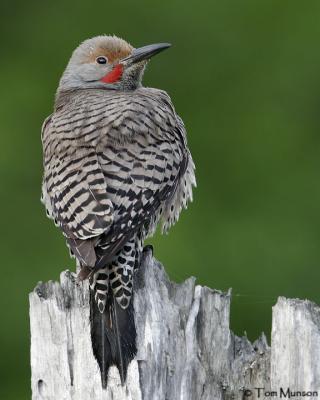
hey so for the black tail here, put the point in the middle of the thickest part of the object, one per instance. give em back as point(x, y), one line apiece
point(113, 337)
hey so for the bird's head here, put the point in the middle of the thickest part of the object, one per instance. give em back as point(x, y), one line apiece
point(107, 62)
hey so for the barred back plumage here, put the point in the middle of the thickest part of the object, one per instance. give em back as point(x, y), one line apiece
point(116, 164)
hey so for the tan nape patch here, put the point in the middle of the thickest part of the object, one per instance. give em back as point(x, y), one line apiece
point(113, 53)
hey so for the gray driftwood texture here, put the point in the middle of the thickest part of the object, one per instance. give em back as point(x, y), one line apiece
point(186, 350)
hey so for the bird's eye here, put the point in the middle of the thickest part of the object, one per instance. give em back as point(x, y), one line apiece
point(101, 60)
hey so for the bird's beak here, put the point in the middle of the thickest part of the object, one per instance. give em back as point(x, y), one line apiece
point(145, 53)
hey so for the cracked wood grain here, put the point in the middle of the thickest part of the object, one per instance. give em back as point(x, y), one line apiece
point(186, 350)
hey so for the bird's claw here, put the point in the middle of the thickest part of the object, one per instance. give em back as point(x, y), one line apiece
point(148, 248)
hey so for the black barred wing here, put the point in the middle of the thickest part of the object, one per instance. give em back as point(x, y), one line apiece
point(140, 179)
point(114, 163)
point(74, 192)
point(183, 193)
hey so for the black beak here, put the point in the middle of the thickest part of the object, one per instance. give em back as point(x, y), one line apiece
point(145, 52)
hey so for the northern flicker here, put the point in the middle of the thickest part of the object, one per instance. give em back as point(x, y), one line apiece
point(116, 163)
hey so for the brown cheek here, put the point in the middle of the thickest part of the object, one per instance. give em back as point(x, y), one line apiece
point(114, 75)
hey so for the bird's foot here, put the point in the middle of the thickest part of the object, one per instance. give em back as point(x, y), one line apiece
point(148, 248)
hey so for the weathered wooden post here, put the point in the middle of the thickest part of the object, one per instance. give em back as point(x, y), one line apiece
point(186, 350)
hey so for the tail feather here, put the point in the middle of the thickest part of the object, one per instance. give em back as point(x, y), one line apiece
point(113, 336)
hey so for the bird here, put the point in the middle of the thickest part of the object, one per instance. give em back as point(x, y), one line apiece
point(116, 164)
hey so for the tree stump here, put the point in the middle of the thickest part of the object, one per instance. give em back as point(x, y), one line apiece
point(186, 350)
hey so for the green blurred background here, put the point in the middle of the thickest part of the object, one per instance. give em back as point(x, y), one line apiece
point(245, 77)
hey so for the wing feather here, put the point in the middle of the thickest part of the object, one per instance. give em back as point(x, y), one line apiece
point(132, 169)
point(74, 192)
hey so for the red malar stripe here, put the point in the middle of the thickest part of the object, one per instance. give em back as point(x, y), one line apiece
point(114, 75)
